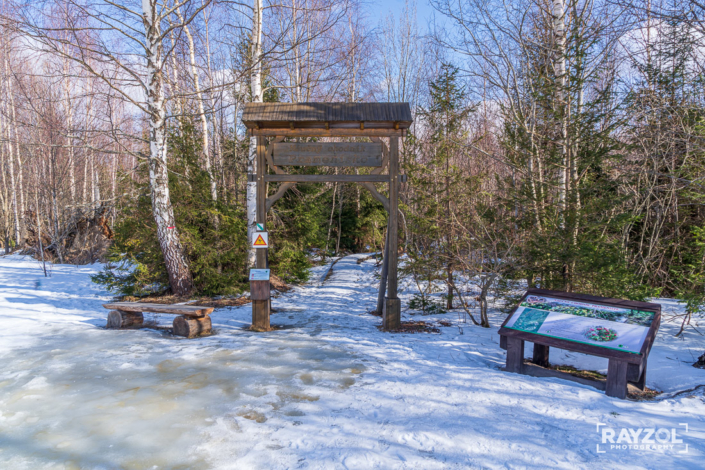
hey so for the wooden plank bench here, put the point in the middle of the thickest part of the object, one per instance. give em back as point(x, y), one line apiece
point(192, 320)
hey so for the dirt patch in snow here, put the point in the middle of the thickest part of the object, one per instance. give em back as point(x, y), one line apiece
point(414, 327)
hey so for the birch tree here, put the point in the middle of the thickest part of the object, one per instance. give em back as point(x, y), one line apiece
point(256, 91)
point(115, 34)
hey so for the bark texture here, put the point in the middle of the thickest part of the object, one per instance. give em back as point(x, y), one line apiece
point(167, 233)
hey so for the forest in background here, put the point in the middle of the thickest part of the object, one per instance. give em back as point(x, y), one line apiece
point(556, 144)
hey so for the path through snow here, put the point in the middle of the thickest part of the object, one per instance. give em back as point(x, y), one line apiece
point(327, 391)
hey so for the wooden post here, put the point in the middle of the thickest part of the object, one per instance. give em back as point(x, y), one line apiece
point(392, 315)
point(260, 308)
point(616, 379)
point(541, 355)
point(383, 277)
point(636, 375)
point(515, 355)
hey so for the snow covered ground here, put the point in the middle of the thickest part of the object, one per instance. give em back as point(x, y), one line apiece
point(329, 390)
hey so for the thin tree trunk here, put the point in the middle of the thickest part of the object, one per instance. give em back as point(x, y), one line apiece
point(332, 211)
point(167, 233)
point(256, 87)
point(13, 185)
point(340, 222)
point(559, 63)
point(201, 109)
point(69, 129)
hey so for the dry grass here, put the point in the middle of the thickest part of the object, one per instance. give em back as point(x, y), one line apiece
point(633, 393)
point(414, 327)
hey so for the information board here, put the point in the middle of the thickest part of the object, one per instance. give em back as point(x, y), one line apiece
point(622, 329)
point(259, 274)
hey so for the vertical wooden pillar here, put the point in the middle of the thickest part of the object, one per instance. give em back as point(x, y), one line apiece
point(636, 375)
point(260, 308)
point(392, 314)
point(616, 379)
point(515, 355)
point(541, 355)
point(383, 277)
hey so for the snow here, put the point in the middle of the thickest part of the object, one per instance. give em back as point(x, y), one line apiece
point(328, 390)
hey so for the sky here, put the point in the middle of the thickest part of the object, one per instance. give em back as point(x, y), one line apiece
point(378, 9)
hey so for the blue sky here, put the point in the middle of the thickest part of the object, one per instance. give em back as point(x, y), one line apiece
point(378, 9)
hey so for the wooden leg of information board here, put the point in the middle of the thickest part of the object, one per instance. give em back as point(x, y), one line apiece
point(541, 355)
point(635, 378)
point(616, 379)
point(515, 355)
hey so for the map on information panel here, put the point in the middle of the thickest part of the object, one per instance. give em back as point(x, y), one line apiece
point(617, 328)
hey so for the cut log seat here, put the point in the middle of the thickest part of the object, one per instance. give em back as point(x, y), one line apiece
point(192, 327)
point(193, 320)
point(119, 320)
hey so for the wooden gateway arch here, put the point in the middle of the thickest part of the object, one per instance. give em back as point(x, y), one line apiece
point(383, 123)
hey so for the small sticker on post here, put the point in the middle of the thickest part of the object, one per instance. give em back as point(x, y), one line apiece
point(260, 240)
point(259, 274)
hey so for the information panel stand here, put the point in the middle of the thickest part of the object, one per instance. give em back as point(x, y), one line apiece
point(621, 330)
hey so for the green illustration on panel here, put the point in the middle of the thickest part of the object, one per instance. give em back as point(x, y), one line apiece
point(633, 317)
point(530, 320)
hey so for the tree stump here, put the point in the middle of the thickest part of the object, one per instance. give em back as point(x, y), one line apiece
point(191, 327)
point(118, 319)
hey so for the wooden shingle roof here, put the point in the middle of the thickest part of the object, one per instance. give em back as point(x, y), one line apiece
point(280, 115)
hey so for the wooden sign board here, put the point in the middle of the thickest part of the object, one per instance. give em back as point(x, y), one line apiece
point(327, 154)
point(259, 274)
point(621, 330)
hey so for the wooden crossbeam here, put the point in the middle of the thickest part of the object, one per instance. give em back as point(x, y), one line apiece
point(316, 132)
point(326, 178)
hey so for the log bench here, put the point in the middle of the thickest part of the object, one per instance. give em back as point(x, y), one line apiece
point(192, 320)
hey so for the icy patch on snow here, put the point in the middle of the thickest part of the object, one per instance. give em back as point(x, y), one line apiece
point(327, 391)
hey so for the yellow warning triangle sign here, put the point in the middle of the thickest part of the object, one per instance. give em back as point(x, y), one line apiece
point(260, 241)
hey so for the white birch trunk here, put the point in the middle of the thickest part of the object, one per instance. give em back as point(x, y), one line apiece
point(558, 14)
point(256, 87)
point(84, 195)
point(69, 128)
point(20, 184)
point(11, 171)
point(12, 153)
point(90, 159)
point(175, 85)
point(217, 135)
point(176, 264)
point(201, 109)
